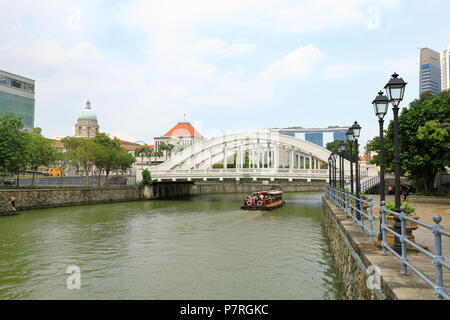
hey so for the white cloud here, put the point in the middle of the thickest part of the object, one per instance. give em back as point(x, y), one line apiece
point(297, 63)
point(274, 16)
point(219, 47)
point(67, 50)
point(403, 66)
point(342, 71)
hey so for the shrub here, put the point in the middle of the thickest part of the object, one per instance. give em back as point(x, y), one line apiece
point(146, 178)
point(408, 209)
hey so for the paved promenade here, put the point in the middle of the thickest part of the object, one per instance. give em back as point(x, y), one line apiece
point(426, 212)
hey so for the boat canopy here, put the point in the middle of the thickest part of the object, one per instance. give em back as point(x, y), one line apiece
point(271, 192)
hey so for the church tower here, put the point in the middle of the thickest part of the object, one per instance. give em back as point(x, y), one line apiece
point(87, 124)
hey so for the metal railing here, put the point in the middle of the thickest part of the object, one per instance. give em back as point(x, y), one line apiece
point(437, 257)
point(368, 184)
point(357, 209)
point(351, 205)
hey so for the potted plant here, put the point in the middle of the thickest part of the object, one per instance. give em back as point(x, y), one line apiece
point(410, 226)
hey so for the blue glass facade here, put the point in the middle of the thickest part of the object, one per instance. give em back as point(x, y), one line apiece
point(430, 72)
point(339, 135)
point(17, 106)
point(316, 138)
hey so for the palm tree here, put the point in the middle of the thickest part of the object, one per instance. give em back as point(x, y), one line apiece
point(158, 154)
point(141, 151)
point(169, 148)
point(150, 153)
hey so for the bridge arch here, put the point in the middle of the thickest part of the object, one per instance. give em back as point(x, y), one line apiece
point(256, 154)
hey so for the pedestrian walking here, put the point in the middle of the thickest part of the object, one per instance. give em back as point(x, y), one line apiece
point(407, 191)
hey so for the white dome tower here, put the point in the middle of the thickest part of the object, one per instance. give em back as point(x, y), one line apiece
point(87, 124)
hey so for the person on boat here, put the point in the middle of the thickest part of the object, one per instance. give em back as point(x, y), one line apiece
point(13, 203)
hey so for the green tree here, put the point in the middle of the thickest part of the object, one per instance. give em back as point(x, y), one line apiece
point(169, 148)
point(40, 152)
point(71, 144)
point(106, 154)
point(333, 146)
point(125, 161)
point(157, 154)
point(13, 145)
point(81, 153)
point(109, 155)
point(424, 143)
point(146, 178)
point(142, 151)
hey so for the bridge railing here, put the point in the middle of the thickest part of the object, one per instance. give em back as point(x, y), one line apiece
point(437, 258)
point(357, 209)
point(366, 185)
point(242, 170)
point(349, 204)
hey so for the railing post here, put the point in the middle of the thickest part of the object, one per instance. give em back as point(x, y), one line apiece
point(361, 212)
point(349, 201)
point(438, 256)
point(370, 211)
point(383, 226)
point(402, 239)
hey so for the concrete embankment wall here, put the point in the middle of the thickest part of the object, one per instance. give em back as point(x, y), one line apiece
point(214, 188)
point(355, 258)
point(35, 198)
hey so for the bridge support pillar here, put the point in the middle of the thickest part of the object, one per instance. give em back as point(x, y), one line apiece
point(205, 179)
point(290, 179)
point(174, 179)
point(189, 179)
point(254, 179)
point(220, 179)
point(308, 180)
point(272, 179)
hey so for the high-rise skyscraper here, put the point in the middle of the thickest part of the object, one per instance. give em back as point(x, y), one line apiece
point(430, 71)
point(17, 98)
point(445, 68)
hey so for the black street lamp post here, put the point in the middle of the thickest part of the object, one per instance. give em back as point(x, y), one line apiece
point(341, 149)
point(380, 105)
point(395, 90)
point(349, 135)
point(356, 128)
point(334, 170)
point(329, 171)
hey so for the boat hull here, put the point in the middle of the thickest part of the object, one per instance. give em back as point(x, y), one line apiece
point(272, 206)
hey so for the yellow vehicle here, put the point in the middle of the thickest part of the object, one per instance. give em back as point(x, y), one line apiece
point(54, 172)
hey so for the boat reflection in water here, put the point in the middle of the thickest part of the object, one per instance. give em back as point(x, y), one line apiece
point(264, 200)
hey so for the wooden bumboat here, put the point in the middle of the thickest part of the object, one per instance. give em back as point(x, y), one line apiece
point(264, 200)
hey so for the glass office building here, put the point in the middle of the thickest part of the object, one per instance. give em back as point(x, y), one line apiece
point(445, 68)
point(17, 98)
point(339, 135)
point(316, 138)
point(430, 71)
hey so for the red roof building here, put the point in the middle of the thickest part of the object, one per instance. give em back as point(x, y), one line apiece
point(181, 136)
point(183, 129)
point(131, 146)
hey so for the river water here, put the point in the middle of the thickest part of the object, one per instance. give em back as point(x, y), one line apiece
point(202, 248)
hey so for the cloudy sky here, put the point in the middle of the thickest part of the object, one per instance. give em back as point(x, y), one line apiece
point(230, 66)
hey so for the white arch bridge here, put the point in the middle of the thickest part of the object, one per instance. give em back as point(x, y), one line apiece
point(255, 155)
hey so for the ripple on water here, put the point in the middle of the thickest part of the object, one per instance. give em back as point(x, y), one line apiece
point(205, 248)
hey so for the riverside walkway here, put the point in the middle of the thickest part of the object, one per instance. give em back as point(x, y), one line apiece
point(426, 209)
